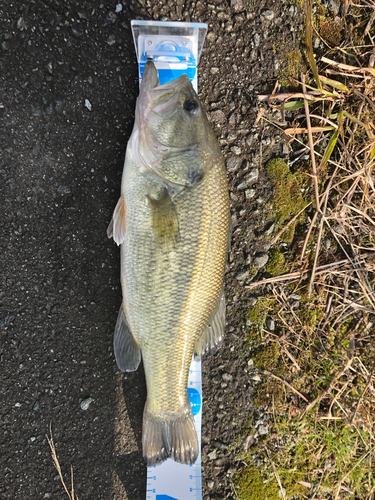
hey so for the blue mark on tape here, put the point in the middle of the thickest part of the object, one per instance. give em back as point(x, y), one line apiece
point(165, 497)
point(167, 74)
point(195, 400)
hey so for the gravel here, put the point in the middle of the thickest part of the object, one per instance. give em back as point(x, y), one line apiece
point(261, 260)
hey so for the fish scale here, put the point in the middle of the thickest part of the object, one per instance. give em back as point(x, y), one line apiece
point(201, 237)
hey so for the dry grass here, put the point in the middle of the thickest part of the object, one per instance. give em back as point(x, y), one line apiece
point(326, 339)
point(71, 494)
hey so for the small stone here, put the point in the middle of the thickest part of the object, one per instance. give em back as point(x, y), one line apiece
point(233, 164)
point(266, 141)
point(219, 445)
point(252, 177)
point(118, 8)
point(47, 495)
point(256, 378)
point(332, 6)
point(21, 25)
point(268, 15)
point(110, 19)
point(250, 87)
point(293, 10)
point(339, 229)
point(250, 362)
point(37, 111)
point(88, 104)
point(261, 260)
point(64, 189)
point(236, 150)
point(282, 492)
point(242, 276)
point(211, 37)
point(250, 193)
point(85, 403)
point(212, 455)
point(295, 296)
point(227, 377)
point(214, 70)
point(221, 461)
point(36, 406)
point(210, 484)
point(262, 430)
point(248, 442)
point(316, 42)
point(31, 440)
point(270, 324)
point(111, 40)
point(327, 243)
point(218, 116)
point(252, 301)
point(237, 5)
point(18, 405)
point(256, 40)
point(4, 46)
point(269, 230)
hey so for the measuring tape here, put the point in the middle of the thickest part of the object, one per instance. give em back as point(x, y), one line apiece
point(175, 49)
point(173, 481)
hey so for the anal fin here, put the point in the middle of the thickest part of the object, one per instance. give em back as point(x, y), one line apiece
point(213, 335)
point(127, 351)
point(117, 226)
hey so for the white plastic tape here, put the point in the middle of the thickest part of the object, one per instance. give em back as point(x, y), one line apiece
point(173, 481)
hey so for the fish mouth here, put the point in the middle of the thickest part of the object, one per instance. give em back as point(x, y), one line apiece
point(163, 100)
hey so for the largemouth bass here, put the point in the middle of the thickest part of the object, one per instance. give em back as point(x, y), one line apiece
point(172, 222)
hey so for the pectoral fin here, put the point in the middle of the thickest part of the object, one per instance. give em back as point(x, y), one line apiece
point(116, 228)
point(164, 220)
point(127, 351)
point(213, 335)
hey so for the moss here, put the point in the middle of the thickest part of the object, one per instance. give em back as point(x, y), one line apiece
point(276, 262)
point(309, 314)
point(291, 66)
point(287, 200)
point(257, 315)
point(253, 271)
point(267, 357)
point(329, 30)
point(268, 392)
point(249, 485)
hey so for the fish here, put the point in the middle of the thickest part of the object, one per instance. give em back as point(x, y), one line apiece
point(172, 222)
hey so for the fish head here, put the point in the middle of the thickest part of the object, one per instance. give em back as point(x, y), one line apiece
point(174, 132)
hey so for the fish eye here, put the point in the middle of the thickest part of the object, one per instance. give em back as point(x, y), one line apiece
point(191, 106)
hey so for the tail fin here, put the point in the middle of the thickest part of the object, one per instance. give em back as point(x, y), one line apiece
point(172, 437)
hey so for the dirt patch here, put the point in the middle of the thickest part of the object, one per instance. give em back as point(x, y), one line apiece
point(67, 92)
